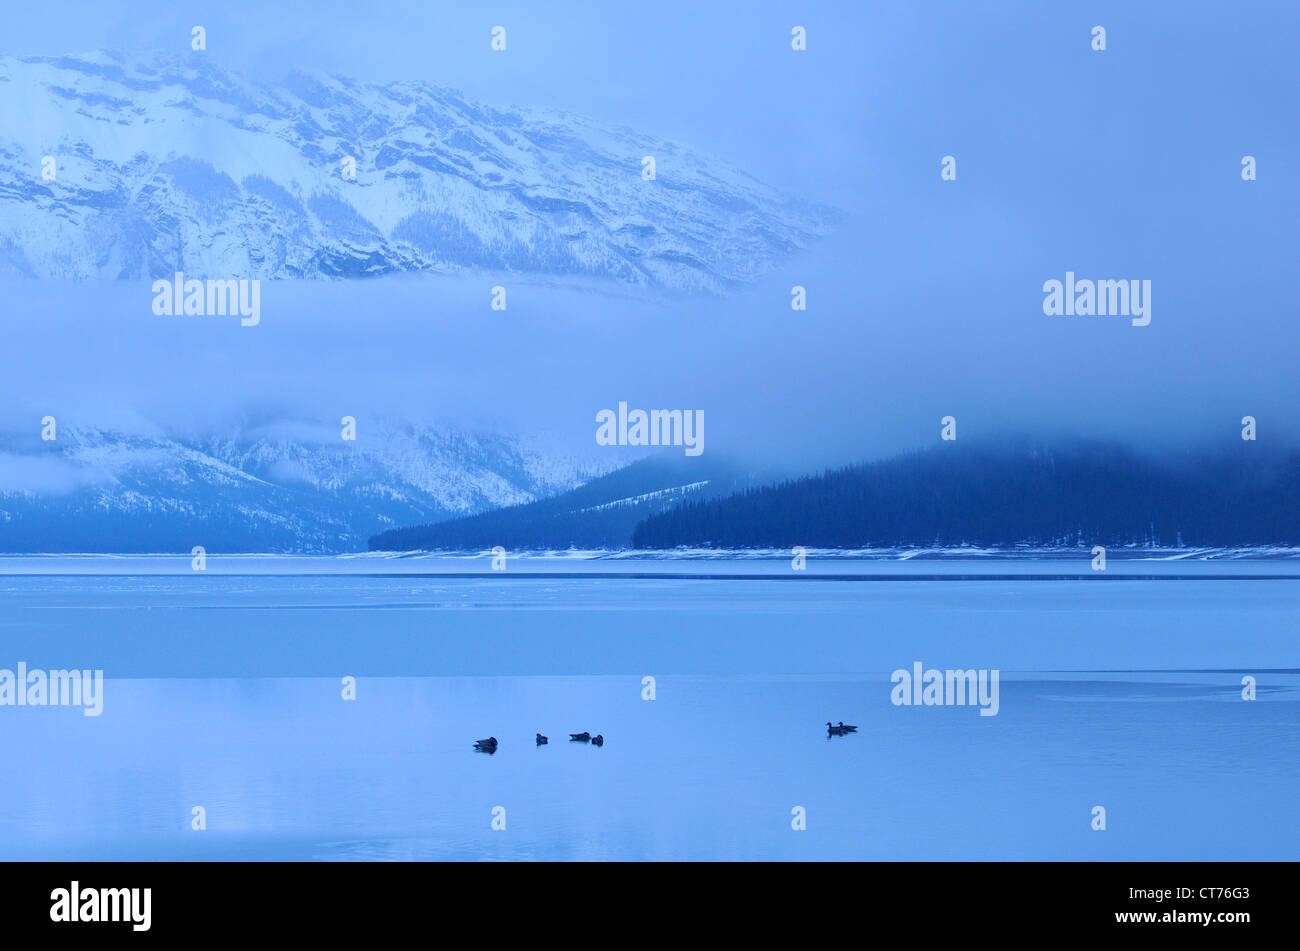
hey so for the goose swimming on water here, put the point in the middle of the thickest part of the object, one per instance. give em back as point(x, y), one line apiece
point(580, 737)
point(541, 740)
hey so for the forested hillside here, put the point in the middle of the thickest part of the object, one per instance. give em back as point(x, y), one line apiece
point(999, 494)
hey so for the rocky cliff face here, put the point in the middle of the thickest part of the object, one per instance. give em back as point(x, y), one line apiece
point(175, 164)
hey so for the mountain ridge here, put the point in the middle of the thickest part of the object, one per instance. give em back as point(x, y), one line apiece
point(93, 490)
point(175, 164)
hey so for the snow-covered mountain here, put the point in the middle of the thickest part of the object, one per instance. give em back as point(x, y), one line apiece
point(93, 490)
point(168, 165)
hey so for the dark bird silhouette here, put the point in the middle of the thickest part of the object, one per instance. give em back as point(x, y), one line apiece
point(580, 737)
point(598, 740)
point(833, 730)
point(848, 729)
point(541, 740)
point(486, 746)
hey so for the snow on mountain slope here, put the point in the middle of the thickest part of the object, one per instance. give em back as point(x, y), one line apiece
point(94, 490)
point(175, 164)
point(675, 494)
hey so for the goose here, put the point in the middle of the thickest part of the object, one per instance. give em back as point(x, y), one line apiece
point(848, 729)
point(580, 737)
point(834, 730)
point(541, 740)
point(486, 746)
point(598, 740)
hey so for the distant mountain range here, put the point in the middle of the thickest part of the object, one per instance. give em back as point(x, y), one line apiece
point(173, 164)
point(409, 488)
point(992, 495)
point(1000, 495)
point(260, 491)
point(601, 514)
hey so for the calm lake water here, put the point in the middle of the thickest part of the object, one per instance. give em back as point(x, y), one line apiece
point(224, 691)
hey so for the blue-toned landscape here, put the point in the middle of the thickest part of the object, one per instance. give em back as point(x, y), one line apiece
point(225, 691)
point(874, 425)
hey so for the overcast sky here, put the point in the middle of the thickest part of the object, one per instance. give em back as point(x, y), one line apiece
point(1117, 164)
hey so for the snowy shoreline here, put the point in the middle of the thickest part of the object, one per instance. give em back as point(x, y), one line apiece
point(883, 564)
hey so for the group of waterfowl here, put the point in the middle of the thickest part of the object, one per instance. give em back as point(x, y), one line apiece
point(490, 744)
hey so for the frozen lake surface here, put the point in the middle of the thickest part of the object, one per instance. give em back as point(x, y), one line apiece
point(223, 690)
